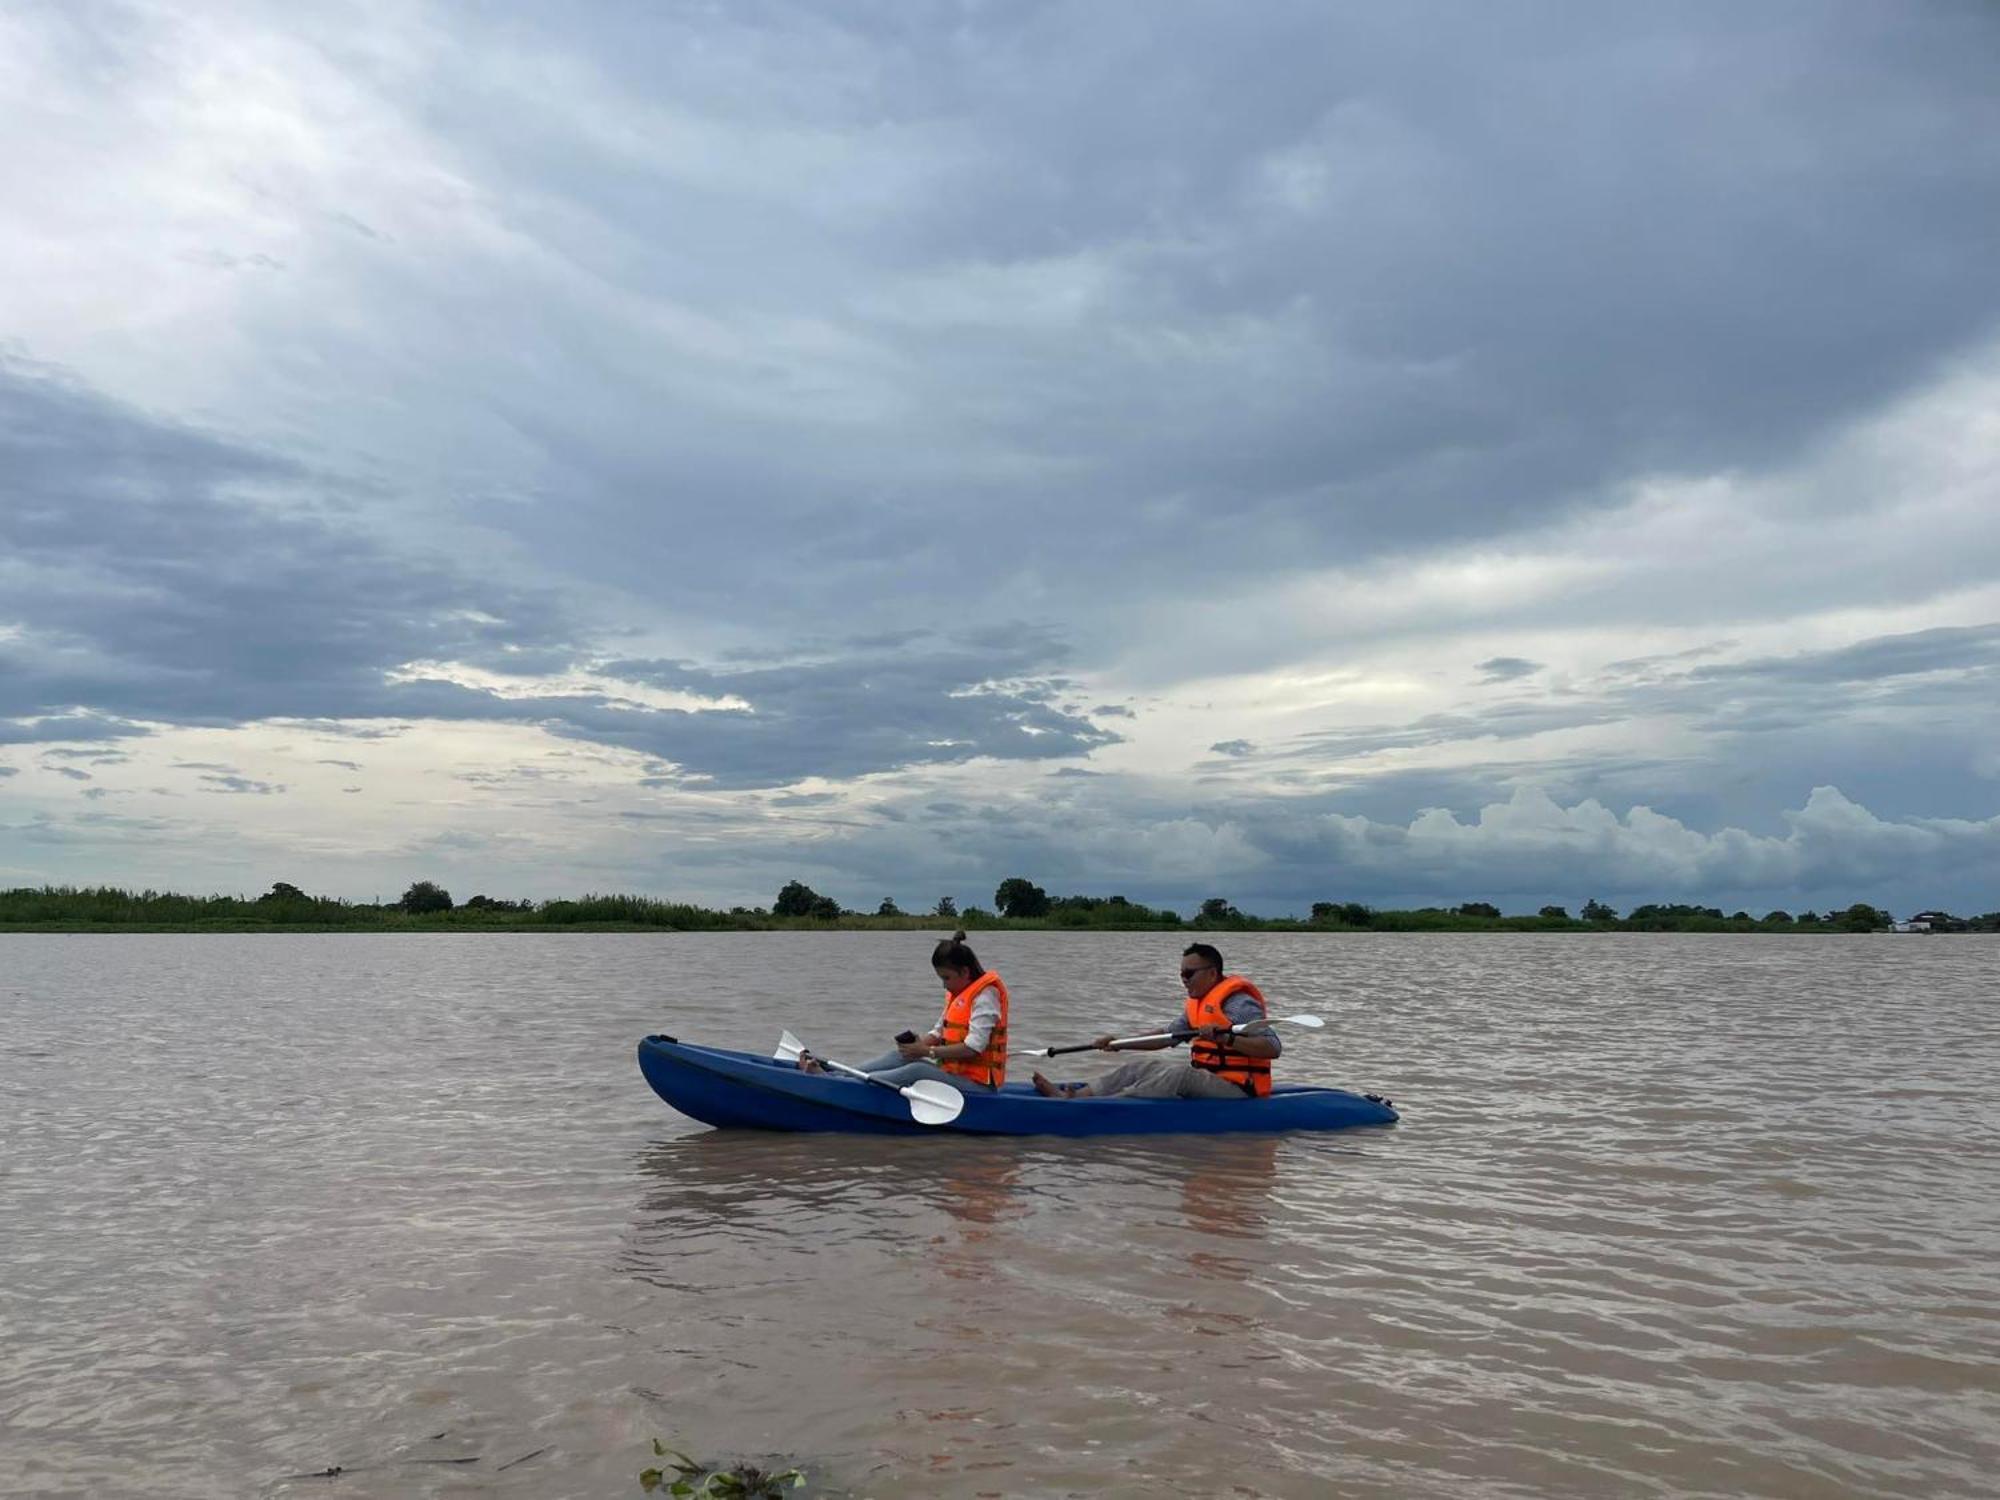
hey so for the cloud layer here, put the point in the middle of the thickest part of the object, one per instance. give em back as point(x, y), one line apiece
point(1533, 448)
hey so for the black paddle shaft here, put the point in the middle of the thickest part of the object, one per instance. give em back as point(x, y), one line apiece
point(1080, 1047)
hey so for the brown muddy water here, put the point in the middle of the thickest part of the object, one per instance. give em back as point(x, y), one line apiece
point(1666, 1216)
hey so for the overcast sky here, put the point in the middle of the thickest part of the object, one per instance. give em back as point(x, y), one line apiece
point(1402, 453)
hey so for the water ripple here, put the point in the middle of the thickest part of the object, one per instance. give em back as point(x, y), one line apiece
point(1667, 1217)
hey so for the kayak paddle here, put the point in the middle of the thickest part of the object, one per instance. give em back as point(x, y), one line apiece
point(1310, 1023)
point(930, 1103)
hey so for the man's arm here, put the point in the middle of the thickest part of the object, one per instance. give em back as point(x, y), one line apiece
point(1243, 1011)
point(1178, 1025)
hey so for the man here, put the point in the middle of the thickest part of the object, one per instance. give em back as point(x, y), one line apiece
point(1223, 1060)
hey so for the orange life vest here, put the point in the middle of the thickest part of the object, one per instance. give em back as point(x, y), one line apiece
point(990, 1067)
point(1252, 1074)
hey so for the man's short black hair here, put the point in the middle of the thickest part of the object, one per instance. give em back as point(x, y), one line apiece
point(1208, 953)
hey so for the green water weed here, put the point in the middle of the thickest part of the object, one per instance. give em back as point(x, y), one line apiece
point(701, 1481)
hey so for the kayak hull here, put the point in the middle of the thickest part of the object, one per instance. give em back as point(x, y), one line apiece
point(740, 1090)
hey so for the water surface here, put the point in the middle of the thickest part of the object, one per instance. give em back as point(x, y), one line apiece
point(1667, 1216)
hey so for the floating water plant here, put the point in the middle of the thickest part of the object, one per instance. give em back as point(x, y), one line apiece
point(717, 1482)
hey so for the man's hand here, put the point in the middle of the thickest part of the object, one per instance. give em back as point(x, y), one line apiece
point(1215, 1033)
point(1103, 1043)
point(915, 1051)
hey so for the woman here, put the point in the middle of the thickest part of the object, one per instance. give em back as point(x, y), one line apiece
point(968, 1046)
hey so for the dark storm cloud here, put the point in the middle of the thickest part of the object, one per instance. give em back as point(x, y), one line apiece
point(1339, 282)
point(240, 785)
point(1506, 668)
point(838, 719)
point(164, 574)
point(1502, 721)
point(1918, 675)
point(65, 727)
point(856, 714)
point(1953, 649)
point(151, 586)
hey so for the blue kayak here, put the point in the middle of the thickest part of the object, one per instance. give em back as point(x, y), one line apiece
point(743, 1090)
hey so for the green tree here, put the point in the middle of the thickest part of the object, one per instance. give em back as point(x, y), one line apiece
point(946, 907)
point(1021, 898)
point(798, 899)
point(1216, 909)
point(1672, 916)
point(888, 908)
point(1596, 911)
point(284, 890)
point(424, 896)
point(1346, 913)
point(1779, 918)
point(497, 903)
point(1554, 913)
point(1478, 909)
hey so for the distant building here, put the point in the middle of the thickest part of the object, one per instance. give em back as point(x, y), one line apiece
point(1940, 921)
point(1913, 925)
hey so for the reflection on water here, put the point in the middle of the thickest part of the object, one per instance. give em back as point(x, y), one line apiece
point(1666, 1216)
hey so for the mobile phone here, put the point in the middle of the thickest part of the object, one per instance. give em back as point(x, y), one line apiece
point(906, 1037)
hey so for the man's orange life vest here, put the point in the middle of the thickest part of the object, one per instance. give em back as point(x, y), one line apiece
point(1252, 1074)
point(990, 1067)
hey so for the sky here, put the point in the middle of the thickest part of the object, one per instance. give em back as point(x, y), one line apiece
point(1411, 453)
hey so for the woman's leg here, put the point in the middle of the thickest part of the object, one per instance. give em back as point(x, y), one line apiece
point(894, 1070)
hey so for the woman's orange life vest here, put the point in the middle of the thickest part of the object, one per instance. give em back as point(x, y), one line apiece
point(990, 1067)
point(1253, 1074)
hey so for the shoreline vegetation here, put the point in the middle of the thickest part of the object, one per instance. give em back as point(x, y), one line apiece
point(1019, 904)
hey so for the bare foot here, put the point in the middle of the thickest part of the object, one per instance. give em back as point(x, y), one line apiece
point(1050, 1090)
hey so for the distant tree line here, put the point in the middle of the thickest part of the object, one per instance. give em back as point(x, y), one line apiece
point(1017, 900)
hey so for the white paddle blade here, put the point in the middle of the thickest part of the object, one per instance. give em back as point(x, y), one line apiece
point(789, 1048)
point(1309, 1023)
point(933, 1103)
